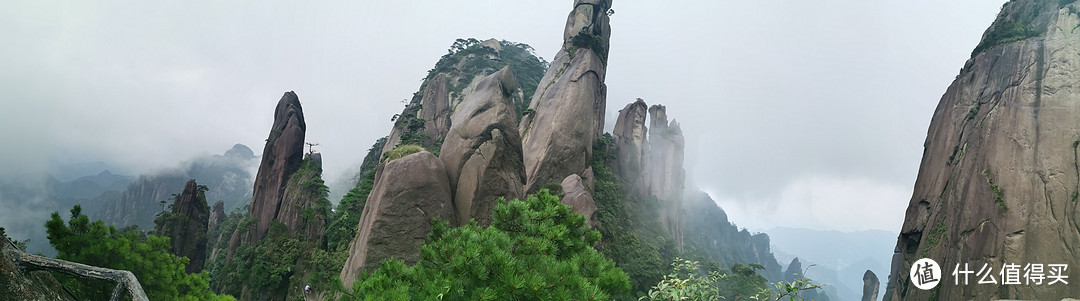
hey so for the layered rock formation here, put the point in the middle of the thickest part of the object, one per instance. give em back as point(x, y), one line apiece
point(186, 226)
point(568, 106)
point(665, 175)
point(999, 177)
point(282, 156)
point(482, 151)
point(870, 286)
point(408, 193)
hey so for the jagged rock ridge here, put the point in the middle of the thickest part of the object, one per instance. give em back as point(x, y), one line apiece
point(999, 177)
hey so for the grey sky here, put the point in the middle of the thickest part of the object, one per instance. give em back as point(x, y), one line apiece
point(797, 113)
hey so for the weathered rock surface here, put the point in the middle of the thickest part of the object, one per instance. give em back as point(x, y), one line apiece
point(217, 215)
point(666, 177)
point(631, 147)
point(579, 197)
point(16, 284)
point(408, 193)
point(282, 156)
point(870, 286)
point(999, 177)
point(303, 193)
point(140, 202)
point(186, 226)
point(568, 106)
point(482, 151)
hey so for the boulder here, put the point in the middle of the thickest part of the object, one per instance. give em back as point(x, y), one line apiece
point(577, 195)
point(999, 176)
point(482, 151)
point(408, 193)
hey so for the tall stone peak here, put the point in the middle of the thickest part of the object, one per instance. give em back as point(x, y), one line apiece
point(999, 177)
point(665, 175)
point(870, 286)
point(186, 225)
point(217, 215)
point(282, 156)
point(631, 146)
point(567, 110)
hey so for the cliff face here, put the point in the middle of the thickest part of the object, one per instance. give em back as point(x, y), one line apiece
point(709, 232)
point(282, 156)
point(186, 226)
point(999, 177)
point(140, 202)
point(631, 147)
point(304, 207)
point(482, 151)
point(567, 112)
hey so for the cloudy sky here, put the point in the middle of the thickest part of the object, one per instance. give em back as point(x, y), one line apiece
point(797, 113)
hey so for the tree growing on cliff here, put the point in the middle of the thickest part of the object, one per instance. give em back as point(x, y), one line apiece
point(536, 249)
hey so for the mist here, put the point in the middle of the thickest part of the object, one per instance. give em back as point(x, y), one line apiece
point(804, 114)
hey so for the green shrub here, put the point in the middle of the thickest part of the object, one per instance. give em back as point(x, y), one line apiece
point(402, 151)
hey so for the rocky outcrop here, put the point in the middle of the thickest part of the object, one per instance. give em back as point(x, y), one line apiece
point(435, 107)
point(408, 193)
point(186, 226)
point(140, 202)
point(579, 197)
point(217, 215)
point(870, 286)
point(303, 197)
point(631, 147)
point(282, 156)
point(999, 177)
point(482, 151)
point(709, 232)
point(665, 175)
point(567, 110)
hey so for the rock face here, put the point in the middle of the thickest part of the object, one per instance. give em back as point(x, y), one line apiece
point(282, 156)
point(793, 270)
point(142, 199)
point(568, 106)
point(708, 230)
point(577, 195)
point(631, 147)
point(303, 191)
point(186, 226)
point(999, 177)
point(482, 151)
point(870, 286)
point(18, 284)
point(666, 177)
point(217, 215)
point(408, 193)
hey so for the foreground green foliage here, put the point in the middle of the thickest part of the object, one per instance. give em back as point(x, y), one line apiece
point(536, 249)
point(688, 281)
point(161, 273)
